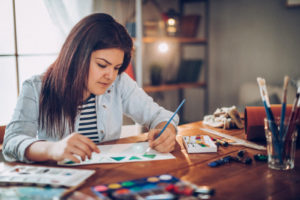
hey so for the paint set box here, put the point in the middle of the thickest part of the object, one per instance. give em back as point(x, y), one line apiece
point(164, 186)
point(199, 144)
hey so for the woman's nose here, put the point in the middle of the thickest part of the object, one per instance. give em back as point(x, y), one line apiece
point(109, 72)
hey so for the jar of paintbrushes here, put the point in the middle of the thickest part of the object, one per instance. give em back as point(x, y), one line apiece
point(281, 139)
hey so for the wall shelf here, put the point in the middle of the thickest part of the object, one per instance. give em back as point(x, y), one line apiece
point(183, 43)
point(167, 87)
point(186, 40)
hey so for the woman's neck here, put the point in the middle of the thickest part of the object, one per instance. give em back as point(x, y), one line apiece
point(86, 95)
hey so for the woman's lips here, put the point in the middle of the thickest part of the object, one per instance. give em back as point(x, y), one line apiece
point(104, 84)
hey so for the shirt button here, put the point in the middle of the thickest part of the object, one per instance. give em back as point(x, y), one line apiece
point(102, 132)
point(104, 106)
point(108, 91)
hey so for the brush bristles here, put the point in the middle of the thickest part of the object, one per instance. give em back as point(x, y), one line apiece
point(263, 88)
point(261, 82)
point(286, 82)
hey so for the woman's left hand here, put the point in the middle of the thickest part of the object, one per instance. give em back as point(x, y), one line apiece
point(166, 141)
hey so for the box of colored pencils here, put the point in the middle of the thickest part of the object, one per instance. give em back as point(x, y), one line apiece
point(199, 144)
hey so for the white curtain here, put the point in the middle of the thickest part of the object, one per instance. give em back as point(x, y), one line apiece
point(66, 13)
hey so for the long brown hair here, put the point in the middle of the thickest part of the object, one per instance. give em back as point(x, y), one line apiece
point(66, 79)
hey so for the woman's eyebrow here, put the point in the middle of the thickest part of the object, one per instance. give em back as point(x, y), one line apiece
point(104, 60)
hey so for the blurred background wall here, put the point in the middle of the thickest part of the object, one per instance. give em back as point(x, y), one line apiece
point(247, 39)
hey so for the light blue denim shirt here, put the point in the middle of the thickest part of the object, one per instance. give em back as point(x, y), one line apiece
point(123, 97)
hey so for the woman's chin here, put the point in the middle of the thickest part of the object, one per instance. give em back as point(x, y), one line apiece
point(99, 92)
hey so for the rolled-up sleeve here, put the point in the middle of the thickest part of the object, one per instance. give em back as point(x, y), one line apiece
point(140, 106)
point(22, 129)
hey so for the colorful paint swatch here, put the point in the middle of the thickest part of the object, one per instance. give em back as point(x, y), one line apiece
point(134, 158)
point(152, 179)
point(127, 184)
point(118, 158)
point(114, 186)
point(100, 188)
point(149, 155)
point(69, 162)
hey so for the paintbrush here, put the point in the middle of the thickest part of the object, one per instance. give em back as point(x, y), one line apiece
point(162, 130)
point(292, 121)
point(294, 114)
point(270, 117)
point(283, 107)
point(265, 98)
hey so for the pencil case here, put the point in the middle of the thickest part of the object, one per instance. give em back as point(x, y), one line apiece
point(254, 120)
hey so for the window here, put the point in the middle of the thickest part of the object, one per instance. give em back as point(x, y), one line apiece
point(25, 50)
point(31, 35)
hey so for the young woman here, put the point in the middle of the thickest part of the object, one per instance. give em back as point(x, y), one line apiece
point(80, 100)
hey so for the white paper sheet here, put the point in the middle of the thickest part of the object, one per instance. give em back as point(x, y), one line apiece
point(120, 153)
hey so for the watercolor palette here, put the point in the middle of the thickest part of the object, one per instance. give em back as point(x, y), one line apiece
point(164, 186)
point(43, 176)
point(199, 144)
point(119, 153)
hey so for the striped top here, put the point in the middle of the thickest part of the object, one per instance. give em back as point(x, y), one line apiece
point(88, 119)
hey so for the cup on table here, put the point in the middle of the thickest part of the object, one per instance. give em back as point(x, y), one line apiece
point(281, 145)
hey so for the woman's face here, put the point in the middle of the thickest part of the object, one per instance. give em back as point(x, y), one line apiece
point(104, 68)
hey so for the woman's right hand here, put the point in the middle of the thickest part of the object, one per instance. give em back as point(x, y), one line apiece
point(74, 144)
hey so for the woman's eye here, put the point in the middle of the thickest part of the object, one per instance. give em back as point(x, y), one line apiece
point(102, 66)
point(117, 68)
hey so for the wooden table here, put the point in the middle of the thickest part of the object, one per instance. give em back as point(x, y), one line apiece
point(230, 181)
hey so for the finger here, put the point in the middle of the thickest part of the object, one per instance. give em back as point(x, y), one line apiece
point(163, 138)
point(153, 139)
point(86, 144)
point(165, 148)
point(89, 143)
point(84, 148)
point(151, 134)
point(77, 142)
point(79, 152)
point(165, 143)
point(171, 146)
point(72, 158)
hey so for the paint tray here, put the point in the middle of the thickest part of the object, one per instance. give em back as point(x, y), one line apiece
point(163, 186)
point(199, 144)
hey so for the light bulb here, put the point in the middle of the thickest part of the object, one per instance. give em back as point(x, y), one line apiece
point(163, 47)
point(171, 21)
